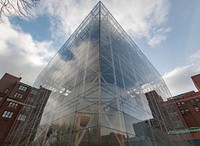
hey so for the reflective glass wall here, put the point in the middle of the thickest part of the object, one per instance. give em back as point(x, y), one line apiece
point(105, 92)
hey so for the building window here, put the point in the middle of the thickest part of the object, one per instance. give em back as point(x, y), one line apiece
point(12, 105)
point(197, 109)
point(192, 101)
point(18, 96)
point(187, 110)
point(30, 99)
point(1, 98)
point(6, 91)
point(182, 112)
point(26, 108)
point(7, 114)
point(183, 103)
point(21, 117)
point(197, 100)
point(34, 92)
point(23, 88)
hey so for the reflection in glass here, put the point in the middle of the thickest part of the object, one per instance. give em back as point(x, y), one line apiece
point(105, 92)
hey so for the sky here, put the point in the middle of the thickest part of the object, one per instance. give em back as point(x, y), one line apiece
point(167, 32)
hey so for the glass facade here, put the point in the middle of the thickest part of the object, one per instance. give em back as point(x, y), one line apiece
point(105, 92)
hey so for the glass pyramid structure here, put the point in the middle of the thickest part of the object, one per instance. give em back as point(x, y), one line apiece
point(105, 92)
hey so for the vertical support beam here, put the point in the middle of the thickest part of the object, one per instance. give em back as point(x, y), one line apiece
point(78, 120)
point(99, 100)
point(27, 143)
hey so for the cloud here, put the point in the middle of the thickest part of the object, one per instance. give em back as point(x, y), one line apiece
point(158, 37)
point(156, 40)
point(21, 54)
point(179, 79)
point(195, 56)
point(65, 16)
point(141, 19)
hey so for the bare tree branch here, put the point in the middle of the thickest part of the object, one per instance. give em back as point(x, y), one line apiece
point(19, 8)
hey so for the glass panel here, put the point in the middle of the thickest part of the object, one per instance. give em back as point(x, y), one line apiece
point(105, 92)
point(112, 137)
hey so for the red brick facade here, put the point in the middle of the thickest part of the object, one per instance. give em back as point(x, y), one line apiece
point(189, 106)
point(9, 110)
point(17, 107)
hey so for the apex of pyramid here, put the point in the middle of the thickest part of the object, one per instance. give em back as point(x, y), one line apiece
point(99, 3)
point(98, 7)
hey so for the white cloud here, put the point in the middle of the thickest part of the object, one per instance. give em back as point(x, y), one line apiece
point(156, 40)
point(139, 18)
point(158, 37)
point(195, 56)
point(65, 15)
point(179, 79)
point(21, 54)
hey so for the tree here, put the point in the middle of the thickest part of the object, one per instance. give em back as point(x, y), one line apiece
point(16, 7)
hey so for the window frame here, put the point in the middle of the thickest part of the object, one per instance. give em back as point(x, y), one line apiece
point(7, 114)
point(22, 88)
point(18, 95)
point(12, 105)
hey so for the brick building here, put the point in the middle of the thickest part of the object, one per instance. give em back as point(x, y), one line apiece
point(189, 106)
point(196, 81)
point(160, 118)
point(21, 107)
